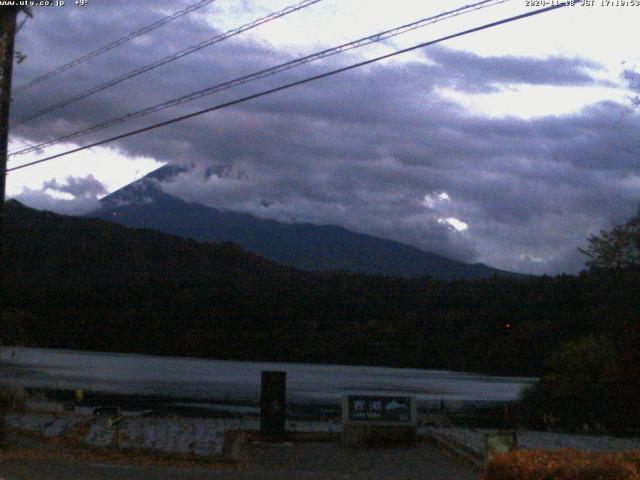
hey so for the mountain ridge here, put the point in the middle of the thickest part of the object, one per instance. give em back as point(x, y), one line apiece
point(306, 246)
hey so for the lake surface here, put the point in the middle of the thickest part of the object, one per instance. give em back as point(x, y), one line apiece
point(216, 380)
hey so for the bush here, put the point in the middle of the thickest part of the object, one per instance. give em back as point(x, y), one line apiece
point(582, 387)
point(564, 464)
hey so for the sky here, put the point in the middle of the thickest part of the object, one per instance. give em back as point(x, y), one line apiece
point(508, 146)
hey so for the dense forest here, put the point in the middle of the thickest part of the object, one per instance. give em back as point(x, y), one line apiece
point(93, 285)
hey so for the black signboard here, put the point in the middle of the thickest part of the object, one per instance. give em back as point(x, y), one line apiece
point(369, 408)
point(272, 405)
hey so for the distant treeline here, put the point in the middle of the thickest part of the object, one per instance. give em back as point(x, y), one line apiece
point(93, 285)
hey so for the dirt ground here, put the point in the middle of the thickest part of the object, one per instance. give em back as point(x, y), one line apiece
point(31, 458)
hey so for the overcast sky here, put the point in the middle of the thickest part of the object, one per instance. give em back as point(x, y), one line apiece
point(507, 147)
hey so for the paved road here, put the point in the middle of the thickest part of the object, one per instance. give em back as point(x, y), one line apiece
point(60, 470)
point(303, 461)
point(33, 458)
point(333, 460)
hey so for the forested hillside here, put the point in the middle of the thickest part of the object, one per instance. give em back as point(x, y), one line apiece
point(89, 284)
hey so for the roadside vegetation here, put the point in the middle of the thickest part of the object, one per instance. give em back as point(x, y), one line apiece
point(564, 464)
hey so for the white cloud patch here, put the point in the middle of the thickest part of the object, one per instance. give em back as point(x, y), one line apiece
point(435, 199)
point(531, 258)
point(455, 223)
point(58, 195)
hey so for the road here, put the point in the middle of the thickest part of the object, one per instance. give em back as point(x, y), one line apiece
point(299, 461)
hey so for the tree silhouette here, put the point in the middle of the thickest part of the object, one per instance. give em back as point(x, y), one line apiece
point(616, 248)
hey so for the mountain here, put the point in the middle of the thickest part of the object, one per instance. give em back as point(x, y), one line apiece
point(143, 204)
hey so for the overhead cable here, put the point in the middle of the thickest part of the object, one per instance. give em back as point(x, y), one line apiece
point(263, 73)
point(112, 45)
point(168, 59)
point(296, 83)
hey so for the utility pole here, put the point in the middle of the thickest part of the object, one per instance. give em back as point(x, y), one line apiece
point(7, 39)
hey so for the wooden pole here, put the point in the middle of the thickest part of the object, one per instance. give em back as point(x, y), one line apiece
point(7, 40)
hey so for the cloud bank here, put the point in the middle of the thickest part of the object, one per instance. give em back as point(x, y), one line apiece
point(378, 150)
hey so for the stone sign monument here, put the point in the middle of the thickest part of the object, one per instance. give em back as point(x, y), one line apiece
point(378, 420)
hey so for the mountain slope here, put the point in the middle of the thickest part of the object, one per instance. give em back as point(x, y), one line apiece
point(143, 204)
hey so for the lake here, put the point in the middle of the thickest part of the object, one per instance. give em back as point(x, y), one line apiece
point(215, 381)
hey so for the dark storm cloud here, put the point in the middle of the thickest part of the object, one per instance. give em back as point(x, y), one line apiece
point(361, 149)
point(473, 73)
point(78, 187)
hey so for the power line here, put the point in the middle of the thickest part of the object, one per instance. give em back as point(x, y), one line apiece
point(112, 45)
point(264, 73)
point(299, 82)
point(169, 59)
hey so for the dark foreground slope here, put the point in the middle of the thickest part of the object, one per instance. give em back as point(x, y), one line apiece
point(90, 284)
point(143, 204)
